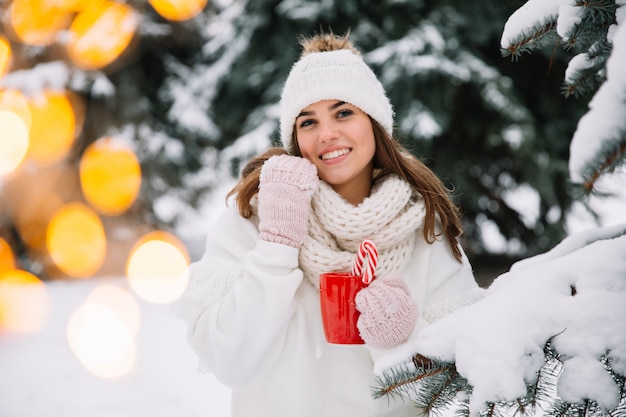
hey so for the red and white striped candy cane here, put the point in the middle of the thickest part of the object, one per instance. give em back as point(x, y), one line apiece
point(366, 261)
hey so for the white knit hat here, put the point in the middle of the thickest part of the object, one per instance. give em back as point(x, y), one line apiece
point(332, 75)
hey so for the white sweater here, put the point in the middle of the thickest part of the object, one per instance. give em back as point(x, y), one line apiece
point(256, 324)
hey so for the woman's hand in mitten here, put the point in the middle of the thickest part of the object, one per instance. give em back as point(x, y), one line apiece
point(388, 312)
point(287, 184)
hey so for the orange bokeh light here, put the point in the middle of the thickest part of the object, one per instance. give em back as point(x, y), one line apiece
point(37, 22)
point(53, 128)
point(7, 258)
point(5, 55)
point(23, 302)
point(79, 5)
point(76, 240)
point(157, 267)
point(110, 176)
point(14, 143)
point(178, 9)
point(98, 36)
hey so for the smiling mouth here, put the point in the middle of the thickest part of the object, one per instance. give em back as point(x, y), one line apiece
point(335, 154)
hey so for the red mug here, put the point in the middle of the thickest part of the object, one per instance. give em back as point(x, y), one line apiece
point(339, 313)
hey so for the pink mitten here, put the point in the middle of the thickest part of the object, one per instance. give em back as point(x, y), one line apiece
point(388, 313)
point(286, 186)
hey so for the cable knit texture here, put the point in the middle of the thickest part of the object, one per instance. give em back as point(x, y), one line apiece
point(287, 184)
point(388, 313)
point(389, 216)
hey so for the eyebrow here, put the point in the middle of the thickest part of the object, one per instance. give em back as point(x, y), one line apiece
point(331, 107)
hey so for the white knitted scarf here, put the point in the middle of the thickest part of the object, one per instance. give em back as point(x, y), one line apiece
point(389, 217)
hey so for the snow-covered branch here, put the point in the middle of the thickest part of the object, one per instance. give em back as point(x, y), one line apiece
point(596, 29)
point(552, 325)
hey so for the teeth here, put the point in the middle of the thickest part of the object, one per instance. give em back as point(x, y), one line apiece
point(335, 154)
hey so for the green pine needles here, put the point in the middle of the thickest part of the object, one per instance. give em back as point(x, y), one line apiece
point(433, 386)
point(436, 388)
point(587, 36)
point(587, 30)
point(533, 38)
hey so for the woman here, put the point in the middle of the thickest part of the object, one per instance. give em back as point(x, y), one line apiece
point(253, 301)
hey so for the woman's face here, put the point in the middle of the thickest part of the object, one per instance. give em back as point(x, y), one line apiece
point(338, 139)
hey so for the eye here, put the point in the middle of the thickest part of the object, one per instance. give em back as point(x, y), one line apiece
point(343, 113)
point(305, 123)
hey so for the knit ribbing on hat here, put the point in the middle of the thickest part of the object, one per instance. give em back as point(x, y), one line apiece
point(332, 75)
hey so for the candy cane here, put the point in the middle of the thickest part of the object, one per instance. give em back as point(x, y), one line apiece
point(366, 257)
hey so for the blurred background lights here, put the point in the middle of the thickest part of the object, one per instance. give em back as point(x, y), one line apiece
point(99, 35)
point(5, 55)
point(33, 207)
point(121, 300)
point(76, 240)
point(13, 143)
point(101, 340)
point(78, 5)
point(7, 258)
point(37, 22)
point(178, 9)
point(110, 176)
point(23, 302)
point(15, 101)
point(53, 128)
point(157, 267)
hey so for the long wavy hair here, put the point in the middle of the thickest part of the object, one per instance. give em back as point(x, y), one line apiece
point(390, 158)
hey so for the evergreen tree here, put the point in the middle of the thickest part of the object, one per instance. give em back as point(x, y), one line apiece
point(596, 34)
point(445, 80)
point(438, 64)
point(199, 97)
point(591, 33)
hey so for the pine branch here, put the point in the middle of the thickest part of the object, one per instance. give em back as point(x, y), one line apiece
point(612, 161)
point(442, 396)
point(534, 38)
point(603, 10)
point(586, 409)
point(620, 380)
point(600, 51)
point(588, 31)
point(435, 387)
point(490, 412)
point(587, 79)
point(403, 378)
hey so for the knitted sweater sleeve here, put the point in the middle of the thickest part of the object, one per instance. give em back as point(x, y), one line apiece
point(451, 284)
point(239, 301)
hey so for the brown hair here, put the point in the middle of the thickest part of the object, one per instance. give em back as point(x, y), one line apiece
point(390, 158)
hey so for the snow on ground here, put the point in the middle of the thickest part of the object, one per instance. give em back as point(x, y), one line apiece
point(41, 377)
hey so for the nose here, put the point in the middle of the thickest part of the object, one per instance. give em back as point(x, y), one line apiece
point(328, 132)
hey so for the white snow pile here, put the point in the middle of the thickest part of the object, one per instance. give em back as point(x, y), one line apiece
point(574, 294)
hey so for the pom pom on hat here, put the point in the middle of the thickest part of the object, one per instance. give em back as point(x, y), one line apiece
point(336, 71)
point(388, 313)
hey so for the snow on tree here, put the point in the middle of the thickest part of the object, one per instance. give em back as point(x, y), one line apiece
point(552, 327)
point(594, 33)
point(550, 335)
point(196, 98)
